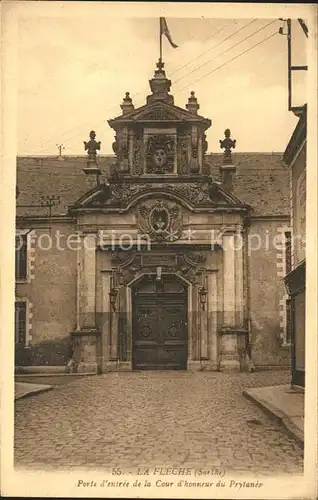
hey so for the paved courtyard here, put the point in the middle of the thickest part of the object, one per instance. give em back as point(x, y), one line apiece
point(154, 419)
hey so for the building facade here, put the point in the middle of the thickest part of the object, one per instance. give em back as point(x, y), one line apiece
point(295, 279)
point(161, 256)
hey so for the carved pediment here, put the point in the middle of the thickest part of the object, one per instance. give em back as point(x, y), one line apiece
point(165, 112)
point(160, 112)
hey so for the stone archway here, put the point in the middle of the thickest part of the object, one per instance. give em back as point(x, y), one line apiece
point(160, 323)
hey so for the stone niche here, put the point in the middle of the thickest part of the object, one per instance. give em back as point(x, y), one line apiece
point(160, 151)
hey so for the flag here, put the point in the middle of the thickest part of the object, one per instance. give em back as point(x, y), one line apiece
point(164, 30)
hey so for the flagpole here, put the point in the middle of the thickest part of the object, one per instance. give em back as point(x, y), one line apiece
point(160, 40)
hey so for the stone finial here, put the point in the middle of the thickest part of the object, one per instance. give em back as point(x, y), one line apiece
point(192, 105)
point(160, 85)
point(160, 65)
point(92, 146)
point(227, 144)
point(127, 105)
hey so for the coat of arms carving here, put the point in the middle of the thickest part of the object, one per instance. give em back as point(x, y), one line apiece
point(160, 152)
point(161, 221)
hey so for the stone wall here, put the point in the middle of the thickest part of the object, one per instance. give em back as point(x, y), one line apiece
point(52, 293)
point(267, 293)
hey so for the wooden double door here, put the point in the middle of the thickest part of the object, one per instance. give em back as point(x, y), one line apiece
point(160, 329)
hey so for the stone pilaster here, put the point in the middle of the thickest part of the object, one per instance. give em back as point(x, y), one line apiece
point(106, 323)
point(241, 333)
point(131, 138)
point(200, 152)
point(84, 359)
point(203, 333)
point(229, 278)
point(212, 303)
point(85, 339)
point(88, 286)
point(229, 351)
point(190, 323)
point(129, 323)
point(193, 329)
point(233, 336)
point(239, 279)
point(114, 335)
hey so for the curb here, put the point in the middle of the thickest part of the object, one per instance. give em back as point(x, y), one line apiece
point(34, 392)
point(44, 374)
point(279, 416)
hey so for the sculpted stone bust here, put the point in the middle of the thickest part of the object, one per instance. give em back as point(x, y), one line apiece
point(160, 157)
point(92, 145)
point(160, 154)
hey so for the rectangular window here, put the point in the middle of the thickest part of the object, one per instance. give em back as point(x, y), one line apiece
point(21, 247)
point(288, 252)
point(20, 323)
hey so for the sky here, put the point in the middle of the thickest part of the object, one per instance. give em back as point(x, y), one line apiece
point(73, 73)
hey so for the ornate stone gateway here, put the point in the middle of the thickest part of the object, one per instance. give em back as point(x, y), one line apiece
point(165, 287)
point(160, 330)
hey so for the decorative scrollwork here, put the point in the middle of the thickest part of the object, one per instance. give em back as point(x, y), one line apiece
point(119, 195)
point(136, 160)
point(145, 331)
point(183, 162)
point(196, 193)
point(195, 258)
point(173, 331)
point(122, 193)
point(159, 114)
point(122, 258)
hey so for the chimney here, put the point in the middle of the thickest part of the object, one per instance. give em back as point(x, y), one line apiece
point(193, 105)
point(227, 169)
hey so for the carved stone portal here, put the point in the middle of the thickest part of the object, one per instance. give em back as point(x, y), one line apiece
point(161, 221)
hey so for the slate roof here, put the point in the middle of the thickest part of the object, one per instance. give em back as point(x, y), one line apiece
point(261, 180)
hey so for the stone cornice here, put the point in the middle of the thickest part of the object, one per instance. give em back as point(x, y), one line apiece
point(199, 210)
point(283, 217)
point(157, 179)
point(44, 218)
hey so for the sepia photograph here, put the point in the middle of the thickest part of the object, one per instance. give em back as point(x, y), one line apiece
point(158, 279)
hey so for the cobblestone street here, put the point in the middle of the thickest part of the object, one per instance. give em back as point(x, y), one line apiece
point(154, 419)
